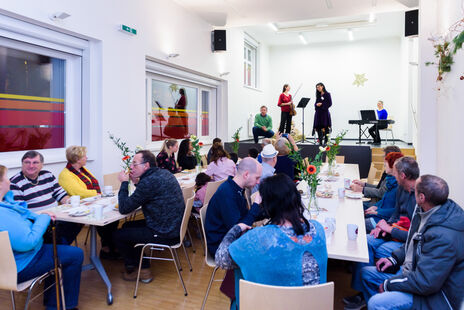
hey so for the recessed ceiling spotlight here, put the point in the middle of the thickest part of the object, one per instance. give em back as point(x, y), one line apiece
point(302, 39)
point(224, 74)
point(59, 16)
point(172, 55)
point(273, 26)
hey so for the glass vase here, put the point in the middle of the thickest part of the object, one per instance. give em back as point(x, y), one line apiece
point(198, 168)
point(313, 203)
point(332, 164)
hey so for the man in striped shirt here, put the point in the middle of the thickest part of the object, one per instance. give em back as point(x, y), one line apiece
point(39, 188)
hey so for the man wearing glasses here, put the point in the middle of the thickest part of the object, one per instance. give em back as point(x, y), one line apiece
point(160, 196)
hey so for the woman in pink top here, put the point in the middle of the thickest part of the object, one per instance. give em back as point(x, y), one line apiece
point(201, 182)
point(221, 166)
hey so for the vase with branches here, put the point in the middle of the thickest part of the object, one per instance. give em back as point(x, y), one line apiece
point(236, 141)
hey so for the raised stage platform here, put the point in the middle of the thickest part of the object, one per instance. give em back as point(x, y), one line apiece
point(354, 153)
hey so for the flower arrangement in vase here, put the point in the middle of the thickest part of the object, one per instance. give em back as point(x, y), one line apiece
point(196, 146)
point(127, 153)
point(236, 142)
point(332, 149)
point(309, 172)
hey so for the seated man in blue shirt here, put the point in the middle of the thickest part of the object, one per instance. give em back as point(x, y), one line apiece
point(382, 114)
point(228, 206)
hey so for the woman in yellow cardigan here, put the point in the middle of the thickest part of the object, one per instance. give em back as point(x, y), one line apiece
point(75, 179)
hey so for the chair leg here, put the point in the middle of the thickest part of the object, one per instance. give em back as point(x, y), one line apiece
point(138, 272)
point(186, 256)
point(191, 240)
point(13, 304)
point(28, 298)
point(209, 287)
point(174, 255)
point(201, 235)
point(63, 300)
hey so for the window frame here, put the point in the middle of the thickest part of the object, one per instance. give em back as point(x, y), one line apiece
point(79, 113)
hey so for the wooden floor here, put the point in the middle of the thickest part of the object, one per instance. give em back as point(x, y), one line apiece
point(165, 291)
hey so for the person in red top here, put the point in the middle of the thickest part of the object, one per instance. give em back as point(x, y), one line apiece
point(285, 101)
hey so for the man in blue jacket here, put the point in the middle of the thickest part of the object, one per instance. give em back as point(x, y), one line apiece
point(431, 262)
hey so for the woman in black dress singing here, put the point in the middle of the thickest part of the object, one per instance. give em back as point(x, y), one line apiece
point(285, 102)
point(322, 121)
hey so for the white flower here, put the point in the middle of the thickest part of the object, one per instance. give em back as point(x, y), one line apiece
point(322, 149)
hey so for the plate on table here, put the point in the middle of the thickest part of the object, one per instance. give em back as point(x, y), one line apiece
point(325, 194)
point(89, 199)
point(353, 195)
point(79, 212)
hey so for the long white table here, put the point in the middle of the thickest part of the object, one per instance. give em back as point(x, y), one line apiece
point(345, 211)
point(110, 215)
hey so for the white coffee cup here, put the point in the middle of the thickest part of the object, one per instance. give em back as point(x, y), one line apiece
point(352, 231)
point(347, 183)
point(98, 212)
point(108, 190)
point(75, 200)
point(341, 192)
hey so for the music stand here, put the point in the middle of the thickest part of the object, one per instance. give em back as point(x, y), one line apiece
point(302, 104)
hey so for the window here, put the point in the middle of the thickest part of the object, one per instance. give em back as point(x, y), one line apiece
point(32, 100)
point(249, 65)
point(41, 88)
point(179, 108)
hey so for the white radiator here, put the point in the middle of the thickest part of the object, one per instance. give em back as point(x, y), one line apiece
point(251, 122)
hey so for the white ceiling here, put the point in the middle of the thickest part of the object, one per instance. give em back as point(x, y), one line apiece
point(385, 25)
point(239, 13)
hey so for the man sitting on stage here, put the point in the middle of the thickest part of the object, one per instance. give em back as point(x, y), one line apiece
point(263, 125)
point(382, 114)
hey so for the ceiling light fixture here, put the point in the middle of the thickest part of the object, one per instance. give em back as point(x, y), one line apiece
point(302, 39)
point(350, 35)
point(273, 26)
point(224, 74)
point(172, 55)
point(59, 16)
point(371, 17)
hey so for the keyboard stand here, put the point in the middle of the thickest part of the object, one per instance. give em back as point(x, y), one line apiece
point(362, 132)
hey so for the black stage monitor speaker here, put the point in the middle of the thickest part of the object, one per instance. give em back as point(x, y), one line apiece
point(218, 40)
point(411, 23)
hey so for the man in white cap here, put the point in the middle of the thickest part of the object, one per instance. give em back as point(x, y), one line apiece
point(269, 157)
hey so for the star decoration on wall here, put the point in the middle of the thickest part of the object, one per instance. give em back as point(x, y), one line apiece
point(359, 79)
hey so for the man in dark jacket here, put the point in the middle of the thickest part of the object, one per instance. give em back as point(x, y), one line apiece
point(386, 238)
point(228, 206)
point(432, 259)
point(160, 196)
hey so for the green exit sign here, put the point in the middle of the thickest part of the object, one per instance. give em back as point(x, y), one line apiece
point(128, 30)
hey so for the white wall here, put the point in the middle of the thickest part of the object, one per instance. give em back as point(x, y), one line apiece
point(450, 109)
point(334, 64)
point(163, 27)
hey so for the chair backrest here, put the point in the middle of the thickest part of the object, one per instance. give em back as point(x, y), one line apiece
point(204, 161)
point(306, 161)
point(112, 179)
point(188, 192)
point(202, 220)
point(9, 278)
point(211, 188)
point(338, 159)
point(254, 296)
point(186, 217)
point(371, 175)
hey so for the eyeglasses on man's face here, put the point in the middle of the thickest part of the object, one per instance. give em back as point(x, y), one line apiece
point(136, 164)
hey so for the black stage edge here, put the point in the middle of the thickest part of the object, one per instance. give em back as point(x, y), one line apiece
point(354, 154)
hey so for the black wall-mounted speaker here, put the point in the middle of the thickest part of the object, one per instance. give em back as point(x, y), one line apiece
point(218, 40)
point(411, 23)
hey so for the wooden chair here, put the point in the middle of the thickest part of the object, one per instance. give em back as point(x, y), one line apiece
point(387, 130)
point(254, 296)
point(188, 192)
point(204, 161)
point(372, 174)
point(172, 249)
point(306, 161)
point(211, 188)
point(112, 179)
point(338, 159)
point(209, 260)
point(9, 278)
